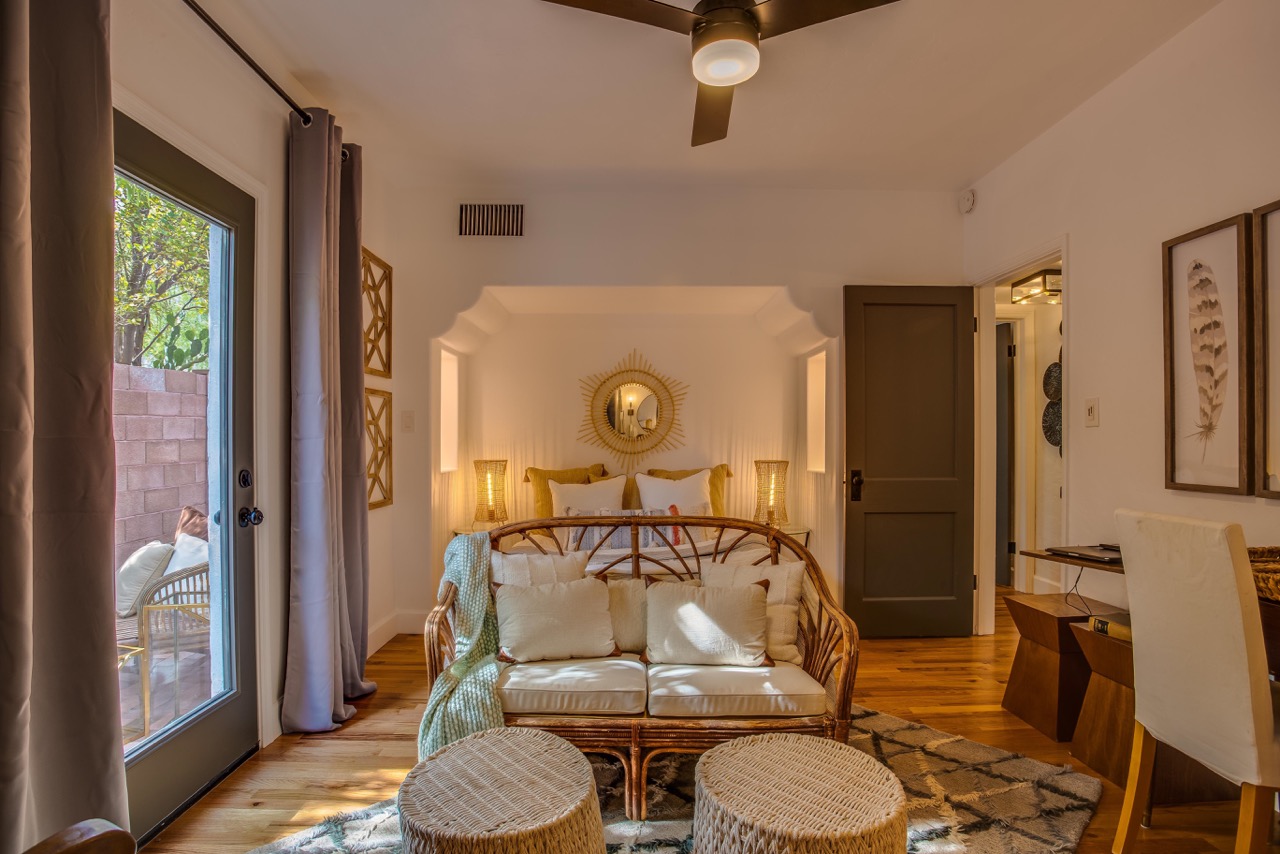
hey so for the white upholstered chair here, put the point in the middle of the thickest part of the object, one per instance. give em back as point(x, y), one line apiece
point(1199, 666)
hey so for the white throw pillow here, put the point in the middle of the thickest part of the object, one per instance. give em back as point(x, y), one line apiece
point(602, 493)
point(188, 551)
point(627, 608)
point(140, 569)
point(567, 619)
point(526, 570)
point(782, 612)
point(657, 493)
point(705, 625)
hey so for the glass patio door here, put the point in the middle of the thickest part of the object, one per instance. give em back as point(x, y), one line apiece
point(184, 472)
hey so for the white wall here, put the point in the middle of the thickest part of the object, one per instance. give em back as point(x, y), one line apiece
point(526, 403)
point(173, 75)
point(1184, 139)
point(811, 241)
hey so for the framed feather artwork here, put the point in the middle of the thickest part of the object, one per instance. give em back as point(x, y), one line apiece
point(1208, 403)
point(1266, 337)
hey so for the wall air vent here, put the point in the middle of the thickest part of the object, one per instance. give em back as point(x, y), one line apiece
point(491, 220)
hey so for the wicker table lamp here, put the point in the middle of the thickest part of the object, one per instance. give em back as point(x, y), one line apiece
point(491, 491)
point(771, 492)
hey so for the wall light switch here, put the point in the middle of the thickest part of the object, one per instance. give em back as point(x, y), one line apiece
point(1091, 413)
point(406, 420)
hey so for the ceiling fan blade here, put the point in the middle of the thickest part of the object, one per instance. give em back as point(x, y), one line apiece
point(711, 113)
point(649, 12)
point(782, 16)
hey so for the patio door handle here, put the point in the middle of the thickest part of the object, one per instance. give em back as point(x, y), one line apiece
point(249, 517)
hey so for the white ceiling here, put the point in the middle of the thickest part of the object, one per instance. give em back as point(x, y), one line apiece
point(920, 94)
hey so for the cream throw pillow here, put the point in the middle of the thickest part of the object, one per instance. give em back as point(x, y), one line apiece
point(658, 493)
point(705, 625)
point(138, 570)
point(554, 621)
point(526, 570)
point(782, 612)
point(627, 607)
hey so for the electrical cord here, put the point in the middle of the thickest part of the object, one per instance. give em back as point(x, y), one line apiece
point(1075, 589)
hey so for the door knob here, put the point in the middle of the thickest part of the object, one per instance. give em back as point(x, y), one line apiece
point(855, 484)
point(249, 517)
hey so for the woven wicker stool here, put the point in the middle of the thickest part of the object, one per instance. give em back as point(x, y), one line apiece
point(799, 794)
point(506, 791)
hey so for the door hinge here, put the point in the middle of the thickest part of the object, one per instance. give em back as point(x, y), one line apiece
point(1013, 547)
point(1013, 350)
point(975, 582)
point(975, 324)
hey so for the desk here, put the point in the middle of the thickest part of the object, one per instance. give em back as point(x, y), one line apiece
point(1116, 567)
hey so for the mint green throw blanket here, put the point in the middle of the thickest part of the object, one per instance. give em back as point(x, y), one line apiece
point(464, 698)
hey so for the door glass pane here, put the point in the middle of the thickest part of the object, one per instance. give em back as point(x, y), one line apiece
point(172, 627)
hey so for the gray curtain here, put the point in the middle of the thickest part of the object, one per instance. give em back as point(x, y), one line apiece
point(61, 758)
point(328, 577)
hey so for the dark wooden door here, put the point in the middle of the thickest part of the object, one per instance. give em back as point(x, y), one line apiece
point(909, 448)
point(1004, 455)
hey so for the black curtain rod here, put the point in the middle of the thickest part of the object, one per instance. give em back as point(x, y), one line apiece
point(248, 60)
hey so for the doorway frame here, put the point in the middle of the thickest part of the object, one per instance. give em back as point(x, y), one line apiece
point(1026, 570)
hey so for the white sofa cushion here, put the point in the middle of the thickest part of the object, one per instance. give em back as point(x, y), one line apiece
point(526, 570)
point(568, 619)
point(702, 691)
point(705, 625)
point(582, 686)
point(782, 611)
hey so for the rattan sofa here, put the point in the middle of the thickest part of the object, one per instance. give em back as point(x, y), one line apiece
point(827, 638)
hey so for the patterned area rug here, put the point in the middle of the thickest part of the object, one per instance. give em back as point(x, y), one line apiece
point(962, 798)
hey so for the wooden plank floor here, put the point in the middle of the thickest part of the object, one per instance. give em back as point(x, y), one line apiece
point(951, 684)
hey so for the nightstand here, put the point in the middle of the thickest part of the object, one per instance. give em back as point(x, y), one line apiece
point(798, 530)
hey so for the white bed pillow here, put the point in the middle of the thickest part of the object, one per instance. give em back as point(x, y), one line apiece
point(782, 611)
point(706, 625)
point(568, 619)
point(657, 493)
point(138, 570)
point(602, 493)
point(526, 570)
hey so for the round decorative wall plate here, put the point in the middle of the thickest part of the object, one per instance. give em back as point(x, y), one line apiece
point(632, 410)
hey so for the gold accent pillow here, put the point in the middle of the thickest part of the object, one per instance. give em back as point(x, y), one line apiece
point(540, 478)
point(719, 474)
point(630, 492)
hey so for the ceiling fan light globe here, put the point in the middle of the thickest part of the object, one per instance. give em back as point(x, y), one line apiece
point(726, 62)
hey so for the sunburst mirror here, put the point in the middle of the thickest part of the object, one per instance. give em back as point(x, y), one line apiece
point(632, 410)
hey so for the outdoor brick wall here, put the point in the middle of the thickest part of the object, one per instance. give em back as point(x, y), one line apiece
point(161, 462)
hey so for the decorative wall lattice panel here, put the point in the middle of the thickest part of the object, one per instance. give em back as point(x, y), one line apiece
point(377, 431)
point(375, 285)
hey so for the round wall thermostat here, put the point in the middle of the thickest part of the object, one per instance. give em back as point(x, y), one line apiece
point(967, 200)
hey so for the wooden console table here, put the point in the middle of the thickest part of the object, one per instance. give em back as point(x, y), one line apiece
point(1047, 683)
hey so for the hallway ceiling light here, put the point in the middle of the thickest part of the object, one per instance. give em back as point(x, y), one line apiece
point(1042, 287)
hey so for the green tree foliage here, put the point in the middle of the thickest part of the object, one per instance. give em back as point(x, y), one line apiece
point(161, 283)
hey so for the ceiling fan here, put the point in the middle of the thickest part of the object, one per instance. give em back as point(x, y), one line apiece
point(726, 41)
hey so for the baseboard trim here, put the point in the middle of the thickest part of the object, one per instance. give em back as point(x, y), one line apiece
point(381, 632)
point(410, 622)
point(1046, 585)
